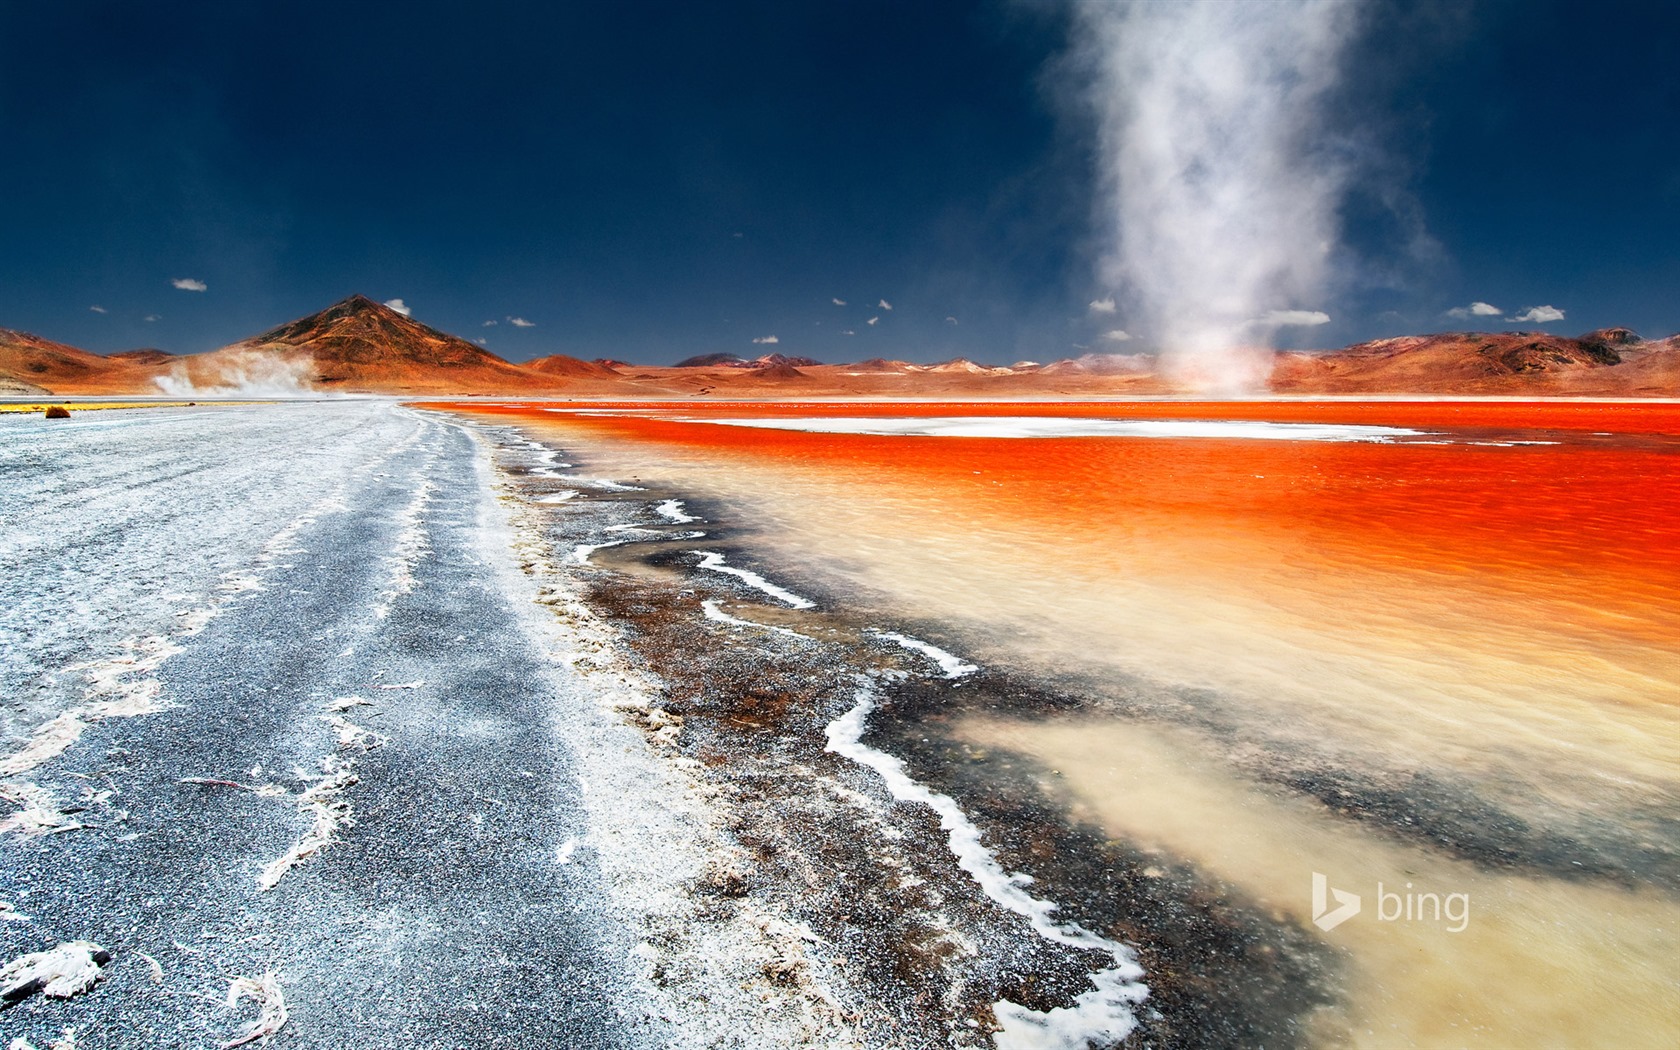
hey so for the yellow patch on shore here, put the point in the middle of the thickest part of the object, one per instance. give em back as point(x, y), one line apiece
point(37, 407)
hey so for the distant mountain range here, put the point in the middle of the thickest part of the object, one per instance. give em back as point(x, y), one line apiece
point(361, 346)
point(737, 361)
point(1608, 362)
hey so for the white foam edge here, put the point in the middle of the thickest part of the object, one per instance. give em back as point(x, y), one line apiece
point(672, 510)
point(714, 561)
point(1103, 1014)
point(711, 608)
point(953, 666)
point(582, 551)
point(592, 412)
point(595, 483)
point(1062, 426)
point(548, 459)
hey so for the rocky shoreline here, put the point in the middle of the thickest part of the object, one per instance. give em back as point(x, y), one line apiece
point(904, 939)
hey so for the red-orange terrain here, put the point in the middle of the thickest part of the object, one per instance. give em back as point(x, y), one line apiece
point(32, 365)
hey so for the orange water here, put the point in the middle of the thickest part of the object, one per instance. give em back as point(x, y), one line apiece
point(1579, 540)
point(1502, 619)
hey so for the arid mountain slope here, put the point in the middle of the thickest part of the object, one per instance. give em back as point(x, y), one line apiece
point(30, 364)
point(1610, 362)
point(561, 365)
point(359, 345)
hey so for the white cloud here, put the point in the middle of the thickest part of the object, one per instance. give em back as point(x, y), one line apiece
point(885, 305)
point(399, 306)
point(737, 236)
point(839, 302)
point(97, 309)
point(950, 320)
point(489, 324)
point(520, 322)
point(153, 317)
point(847, 331)
point(1291, 319)
point(1103, 306)
point(1538, 315)
point(873, 321)
point(1476, 309)
point(1118, 335)
point(767, 340)
point(190, 284)
point(482, 341)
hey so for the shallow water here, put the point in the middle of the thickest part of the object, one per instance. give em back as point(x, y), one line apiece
point(1444, 658)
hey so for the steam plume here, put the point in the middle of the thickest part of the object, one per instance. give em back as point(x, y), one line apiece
point(1221, 189)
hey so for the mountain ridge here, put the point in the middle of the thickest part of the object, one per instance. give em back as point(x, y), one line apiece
point(359, 345)
point(359, 342)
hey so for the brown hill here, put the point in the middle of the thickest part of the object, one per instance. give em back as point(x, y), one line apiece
point(1649, 370)
point(1099, 365)
point(781, 370)
point(363, 346)
point(44, 365)
point(958, 364)
point(1466, 363)
point(1614, 337)
point(881, 364)
point(561, 365)
point(145, 356)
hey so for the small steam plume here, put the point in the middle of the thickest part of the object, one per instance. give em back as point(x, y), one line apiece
point(1221, 188)
point(240, 373)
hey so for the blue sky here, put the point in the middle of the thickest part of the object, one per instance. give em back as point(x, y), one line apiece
point(651, 181)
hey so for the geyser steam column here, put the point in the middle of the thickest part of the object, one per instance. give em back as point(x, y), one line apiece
point(1221, 189)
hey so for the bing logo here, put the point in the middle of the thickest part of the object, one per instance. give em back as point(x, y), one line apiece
point(1419, 906)
point(1347, 904)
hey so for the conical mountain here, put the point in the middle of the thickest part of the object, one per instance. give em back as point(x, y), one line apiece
point(361, 345)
